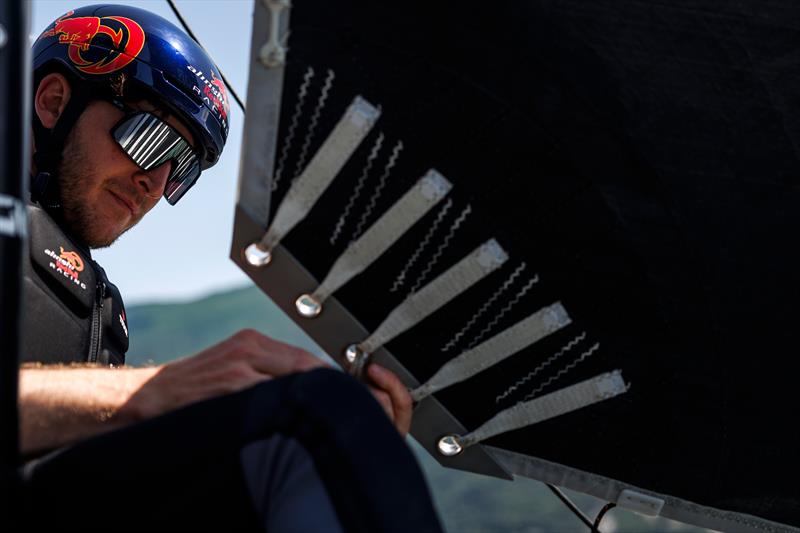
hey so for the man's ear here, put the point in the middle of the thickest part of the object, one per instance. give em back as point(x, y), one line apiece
point(51, 98)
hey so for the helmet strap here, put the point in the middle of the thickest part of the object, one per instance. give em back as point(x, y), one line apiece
point(50, 146)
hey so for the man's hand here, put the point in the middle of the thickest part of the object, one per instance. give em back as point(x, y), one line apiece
point(392, 395)
point(234, 364)
point(241, 361)
point(62, 404)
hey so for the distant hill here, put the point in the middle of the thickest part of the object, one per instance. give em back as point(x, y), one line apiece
point(466, 502)
point(162, 332)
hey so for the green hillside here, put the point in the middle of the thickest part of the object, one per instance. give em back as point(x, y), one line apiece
point(162, 332)
point(466, 502)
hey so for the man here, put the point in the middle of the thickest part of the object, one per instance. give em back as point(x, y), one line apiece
point(126, 109)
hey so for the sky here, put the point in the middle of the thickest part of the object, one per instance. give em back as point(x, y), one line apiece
point(181, 253)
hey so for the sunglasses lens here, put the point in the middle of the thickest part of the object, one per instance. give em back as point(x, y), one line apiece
point(178, 185)
point(151, 142)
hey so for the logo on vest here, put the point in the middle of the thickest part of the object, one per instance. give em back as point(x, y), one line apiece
point(68, 264)
point(122, 321)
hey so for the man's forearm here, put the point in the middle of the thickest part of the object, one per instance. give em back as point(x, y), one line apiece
point(62, 404)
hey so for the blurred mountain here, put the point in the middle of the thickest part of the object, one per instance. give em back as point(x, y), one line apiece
point(466, 502)
point(162, 332)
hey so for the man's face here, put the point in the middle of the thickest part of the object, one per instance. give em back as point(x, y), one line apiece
point(103, 192)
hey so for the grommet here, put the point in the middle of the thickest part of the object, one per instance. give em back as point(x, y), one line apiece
point(308, 306)
point(273, 53)
point(449, 446)
point(257, 256)
point(357, 360)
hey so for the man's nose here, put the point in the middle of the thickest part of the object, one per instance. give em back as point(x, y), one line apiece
point(152, 182)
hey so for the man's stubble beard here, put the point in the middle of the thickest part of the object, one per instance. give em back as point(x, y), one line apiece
point(74, 176)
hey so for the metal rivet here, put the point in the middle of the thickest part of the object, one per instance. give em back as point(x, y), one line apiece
point(257, 256)
point(308, 306)
point(273, 53)
point(449, 446)
point(351, 353)
point(272, 56)
point(357, 359)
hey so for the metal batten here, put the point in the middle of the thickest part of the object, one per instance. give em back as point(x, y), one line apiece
point(549, 406)
point(481, 262)
point(350, 131)
point(425, 194)
point(496, 349)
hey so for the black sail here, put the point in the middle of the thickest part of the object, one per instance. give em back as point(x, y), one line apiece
point(637, 161)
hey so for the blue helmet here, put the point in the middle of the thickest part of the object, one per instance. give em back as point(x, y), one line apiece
point(103, 46)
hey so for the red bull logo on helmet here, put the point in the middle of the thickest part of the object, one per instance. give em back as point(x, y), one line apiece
point(79, 33)
point(223, 94)
point(213, 93)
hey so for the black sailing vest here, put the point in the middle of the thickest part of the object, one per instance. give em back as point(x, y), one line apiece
point(71, 312)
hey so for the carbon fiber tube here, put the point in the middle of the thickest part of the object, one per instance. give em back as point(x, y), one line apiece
point(14, 160)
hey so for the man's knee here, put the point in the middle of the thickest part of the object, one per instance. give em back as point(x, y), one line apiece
point(284, 484)
point(328, 388)
point(330, 379)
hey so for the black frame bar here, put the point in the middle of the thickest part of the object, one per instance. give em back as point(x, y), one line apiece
point(15, 73)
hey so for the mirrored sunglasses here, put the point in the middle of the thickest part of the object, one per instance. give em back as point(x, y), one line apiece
point(149, 142)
